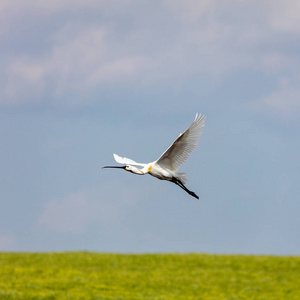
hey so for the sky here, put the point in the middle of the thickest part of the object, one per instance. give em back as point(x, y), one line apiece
point(82, 80)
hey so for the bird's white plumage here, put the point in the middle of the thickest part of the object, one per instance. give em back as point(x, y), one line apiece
point(126, 161)
point(171, 160)
point(175, 156)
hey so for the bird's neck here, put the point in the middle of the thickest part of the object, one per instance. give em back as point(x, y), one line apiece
point(137, 171)
point(147, 168)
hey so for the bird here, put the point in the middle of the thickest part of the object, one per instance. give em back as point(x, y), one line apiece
point(165, 167)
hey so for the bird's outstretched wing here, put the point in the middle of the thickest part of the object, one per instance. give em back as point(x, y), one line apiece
point(174, 157)
point(126, 161)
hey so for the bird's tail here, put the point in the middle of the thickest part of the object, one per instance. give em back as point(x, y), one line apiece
point(182, 177)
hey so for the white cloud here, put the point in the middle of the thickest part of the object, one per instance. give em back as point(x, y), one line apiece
point(280, 15)
point(75, 64)
point(66, 215)
point(284, 15)
point(75, 212)
point(192, 9)
point(275, 61)
point(24, 81)
point(285, 100)
point(191, 37)
point(47, 7)
point(8, 242)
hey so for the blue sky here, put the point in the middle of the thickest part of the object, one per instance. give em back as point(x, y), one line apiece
point(81, 80)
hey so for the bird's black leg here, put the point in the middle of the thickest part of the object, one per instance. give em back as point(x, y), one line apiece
point(179, 183)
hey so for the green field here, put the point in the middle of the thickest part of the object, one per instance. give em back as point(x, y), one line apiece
point(84, 275)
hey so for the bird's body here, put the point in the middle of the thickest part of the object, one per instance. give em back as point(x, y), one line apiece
point(171, 160)
point(155, 170)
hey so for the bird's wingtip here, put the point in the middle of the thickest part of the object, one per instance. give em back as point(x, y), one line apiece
point(199, 117)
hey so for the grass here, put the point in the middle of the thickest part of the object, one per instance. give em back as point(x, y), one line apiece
point(84, 275)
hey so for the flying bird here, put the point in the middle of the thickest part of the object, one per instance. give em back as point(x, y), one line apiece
point(171, 160)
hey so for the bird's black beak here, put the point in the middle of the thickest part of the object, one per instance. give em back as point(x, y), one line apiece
point(114, 167)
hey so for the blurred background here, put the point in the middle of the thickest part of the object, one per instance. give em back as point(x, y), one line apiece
point(82, 80)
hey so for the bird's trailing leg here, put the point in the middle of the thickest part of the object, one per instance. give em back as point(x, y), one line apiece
point(179, 183)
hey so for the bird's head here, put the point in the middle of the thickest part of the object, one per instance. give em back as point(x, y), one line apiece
point(132, 169)
point(127, 168)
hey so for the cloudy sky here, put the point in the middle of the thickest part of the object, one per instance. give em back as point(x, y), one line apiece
point(81, 80)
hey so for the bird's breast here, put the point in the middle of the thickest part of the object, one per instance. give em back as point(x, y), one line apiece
point(158, 172)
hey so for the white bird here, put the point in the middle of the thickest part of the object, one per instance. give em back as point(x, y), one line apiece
point(171, 160)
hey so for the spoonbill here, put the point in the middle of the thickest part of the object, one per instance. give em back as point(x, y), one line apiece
point(171, 160)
